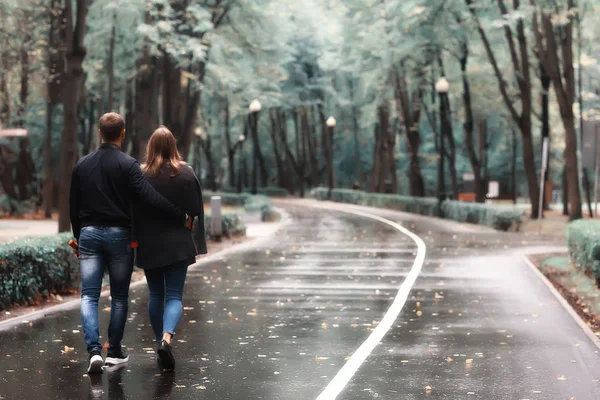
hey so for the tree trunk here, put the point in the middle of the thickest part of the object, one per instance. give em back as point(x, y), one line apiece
point(355, 132)
point(8, 162)
point(327, 144)
point(24, 80)
point(173, 98)
point(565, 191)
point(111, 65)
point(48, 185)
point(129, 115)
point(230, 148)
point(374, 187)
point(4, 94)
point(392, 156)
point(189, 125)
point(520, 63)
point(448, 136)
point(289, 162)
point(564, 87)
point(74, 75)
point(468, 127)
point(514, 166)
point(309, 149)
point(25, 170)
point(305, 142)
point(530, 170)
point(384, 142)
point(208, 154)
point(545, 83)
point(299, 153)
point(276, 152)
point(410, 111)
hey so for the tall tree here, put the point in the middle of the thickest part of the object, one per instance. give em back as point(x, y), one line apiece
point(563, 80)
point(75, 21)
point(519, 57)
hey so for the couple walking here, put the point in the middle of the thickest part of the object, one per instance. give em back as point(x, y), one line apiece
point(117, 206)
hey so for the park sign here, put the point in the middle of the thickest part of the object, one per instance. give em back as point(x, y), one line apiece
point(13, 132)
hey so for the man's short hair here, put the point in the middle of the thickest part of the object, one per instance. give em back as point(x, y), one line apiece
point(111, 126)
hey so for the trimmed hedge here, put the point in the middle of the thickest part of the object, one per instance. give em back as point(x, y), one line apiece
point(498, 217)
point(232, 225)
point(583, 238)
point(251, 203)
point(269, 191)
point(501, 218)
point(416, 205)
point(37, 266)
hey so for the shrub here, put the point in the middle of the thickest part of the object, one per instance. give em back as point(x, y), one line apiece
point(583, 238)
point(227, 199)
point(270, 191)
point(417, 205)
point(37, 266)
point(251, 203)
point(498, 217)
point(232, 225)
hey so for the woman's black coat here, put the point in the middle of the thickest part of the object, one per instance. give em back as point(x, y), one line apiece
point(163, 240)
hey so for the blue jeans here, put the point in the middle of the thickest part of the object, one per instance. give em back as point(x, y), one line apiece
point(103, 248)
point(165, 287)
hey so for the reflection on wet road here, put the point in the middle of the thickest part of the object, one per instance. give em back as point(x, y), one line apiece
point(279, 322)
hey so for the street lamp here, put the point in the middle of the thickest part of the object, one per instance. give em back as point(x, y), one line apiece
point(254, 108)
point(242, 167)
point(441, 87)
point(331, 122)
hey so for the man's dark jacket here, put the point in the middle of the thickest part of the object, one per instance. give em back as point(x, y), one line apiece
point(104, 185)
point(163, 241)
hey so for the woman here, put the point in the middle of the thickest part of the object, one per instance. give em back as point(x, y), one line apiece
point(166, 247)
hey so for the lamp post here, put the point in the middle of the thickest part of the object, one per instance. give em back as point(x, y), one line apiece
point(242, 162)
point(441, 87)
point(331, 122)
point(254, 108)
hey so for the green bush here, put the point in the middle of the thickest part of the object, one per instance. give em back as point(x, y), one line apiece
point(227, 199)
point(265, 191)
point(502, 218)
point(583, 238)
point(498, 217)
point(33, 267)
point(417, 205)
point(232, 225)
point(251, 203)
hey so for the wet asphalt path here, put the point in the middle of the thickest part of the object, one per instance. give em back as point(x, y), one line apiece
point(278, 322)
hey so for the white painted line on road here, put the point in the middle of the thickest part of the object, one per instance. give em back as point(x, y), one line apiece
point(563, 302)
point(345, 374)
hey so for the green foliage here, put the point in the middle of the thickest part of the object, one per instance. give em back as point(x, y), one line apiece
point(497, 217)
point(231, 223)
point(502, 218)
point(34, 267)
point(265, 191)
point(251, 203)
point(416, 205)
point(583, 238)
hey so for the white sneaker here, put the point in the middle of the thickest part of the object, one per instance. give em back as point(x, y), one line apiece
point(95, 363)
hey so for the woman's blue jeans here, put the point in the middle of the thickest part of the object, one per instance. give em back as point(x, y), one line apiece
point(165, 287)
point(102, 248)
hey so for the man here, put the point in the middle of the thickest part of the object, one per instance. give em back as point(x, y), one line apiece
point(102, 188)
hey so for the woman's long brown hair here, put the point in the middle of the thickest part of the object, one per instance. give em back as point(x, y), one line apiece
point(162, 149)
